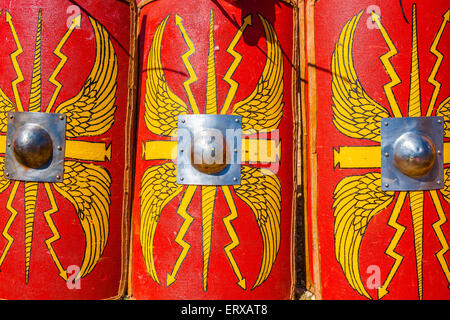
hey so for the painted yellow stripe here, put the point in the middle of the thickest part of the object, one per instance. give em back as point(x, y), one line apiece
point(253, 150)
point(15, 63)
point(11, 219)
point(55, 237)
point(351, 157)
point(395, 80)
point(440, 234)
point(437, 64)
point(399, 230)
point(76, 23)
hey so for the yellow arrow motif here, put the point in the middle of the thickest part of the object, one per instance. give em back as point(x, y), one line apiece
point(437, 64)
point(15, 63)
point(56, 236)
point(76, 23)
point(184, 204)
point(395, 80)
point(211, 81)
point(234, 65)
point(382, 291)
point(233, 236)
point(208, 199)
point(190, 69)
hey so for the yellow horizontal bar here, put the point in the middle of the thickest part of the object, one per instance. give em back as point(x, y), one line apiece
point(353, 157)
point(78, 150)
point(88, 151)
point(357, 157)
point(446, 153)
point(159, 150)
point(253, 150)
point(2, 143)
point(260, 150)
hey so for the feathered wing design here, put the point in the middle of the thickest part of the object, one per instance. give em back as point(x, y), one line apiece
point(162, 106)
point(87, 187)
point(91, 111)
point(446, 190)
point(263, 109)
point(260, 189)
point(357, 199)
point(355, 113)
point(158, 187)
point(5, 106)
point(444, 111)
point(4, 183)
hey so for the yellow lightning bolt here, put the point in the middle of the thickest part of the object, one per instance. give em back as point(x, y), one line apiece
point(190, 69)
point(234, 65)
point(233, 236)
point(15, 63)
point(437, 64)
point(395, 80)
point(185, 201)
point(11, 219)
point(76, 23)
point(382, 291)
point(440, 234)
point(56, 236)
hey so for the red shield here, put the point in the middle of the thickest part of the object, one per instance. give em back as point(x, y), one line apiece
point(220, 241)
point(372, 61)
point(66, 239)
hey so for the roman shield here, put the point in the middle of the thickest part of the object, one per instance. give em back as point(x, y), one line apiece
point(65, 121)
point(377, 149)
point(214, 184)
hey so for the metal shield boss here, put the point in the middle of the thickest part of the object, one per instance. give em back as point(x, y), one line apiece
point(378, 186)
point(214, 186)
point(64, 148)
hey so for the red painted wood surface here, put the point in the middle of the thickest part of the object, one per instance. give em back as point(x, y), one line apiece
point(222, 277)
point(44, 282)
point(386, 243)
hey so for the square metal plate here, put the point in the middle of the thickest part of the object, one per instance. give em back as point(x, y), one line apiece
point(393, 179)
point(190, 128)
point(55, 125)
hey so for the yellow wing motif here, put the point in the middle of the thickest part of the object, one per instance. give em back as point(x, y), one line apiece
point(162, 106)
point(4, 183)
point(91, 111)
point(357, 199)
point(355, 113)
point(158, 187)
point(446, 190)
point(263, 109)
point(444, 111)
point(5, 106)
point(87, 187)
point(260, 189)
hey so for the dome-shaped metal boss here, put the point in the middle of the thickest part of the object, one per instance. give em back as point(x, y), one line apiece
point(209, 152)
point(414, 154)
point(32, 146)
